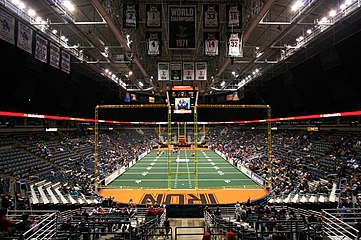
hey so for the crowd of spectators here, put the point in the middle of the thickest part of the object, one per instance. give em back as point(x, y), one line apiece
point(298, 160)
point(303, 162)
point(75, 169)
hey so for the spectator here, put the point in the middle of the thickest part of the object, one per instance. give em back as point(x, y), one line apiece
point(151, 211)
point(159, 211)
point(312, 218)
point(25, 224)
point(101, 210)
point(217, 212)
point(237, 211)
point(206, 236)
point(67, 226)
point(230, 236)
point(206, 208)
point(132, 204)
point(166, 224)
point(148, 203)
point(6, 225)
point(84, 229)
point(85, 215)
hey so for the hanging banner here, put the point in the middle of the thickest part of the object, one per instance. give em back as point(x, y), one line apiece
point(65, 62)
point(153, 43)
point(211, 13)
point(154, 15)
point(234, 16)
point(7, 29)
point(130, 15)
point(201, 71)
point(25, 38)
point(163, 71)
point(235, 48)
point(176, 71)
point(188, 71)
point(182, 27)
point(41, 48)
point(211, 44)
point(54, 58)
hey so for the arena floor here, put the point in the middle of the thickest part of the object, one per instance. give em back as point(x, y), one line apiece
point(218, 181)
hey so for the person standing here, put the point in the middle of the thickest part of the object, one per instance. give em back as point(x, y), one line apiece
point(6, 225)
point(166, 224)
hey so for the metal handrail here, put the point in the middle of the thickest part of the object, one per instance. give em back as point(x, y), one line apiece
point(177, 233)
point(44, 229)
point(334, 226)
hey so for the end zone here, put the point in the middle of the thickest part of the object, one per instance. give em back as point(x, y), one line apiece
point(187, 197)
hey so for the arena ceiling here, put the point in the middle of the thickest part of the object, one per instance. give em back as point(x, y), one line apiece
point(274, 33)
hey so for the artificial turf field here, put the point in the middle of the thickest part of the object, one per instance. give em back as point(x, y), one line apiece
point(218, 181)
point(213, 172)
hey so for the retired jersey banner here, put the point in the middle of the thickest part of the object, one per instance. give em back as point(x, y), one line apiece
point(153, 43)
point(235, 48)
point(201, 71)
point(234, 16)
point(188, 71)
point(163, 71)
point(65, 61)
point(154, 15)
point(25, 38)
point(211, 43)
point(182, 27)
point(211, 15)
point(54, 56)
point(130, 15)
point(41, 48)
point(176, 71)
point(7, 29)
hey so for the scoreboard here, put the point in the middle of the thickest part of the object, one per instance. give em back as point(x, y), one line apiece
point(182, 99)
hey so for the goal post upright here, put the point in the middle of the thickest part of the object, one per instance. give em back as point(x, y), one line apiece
point(185, 132)
point(178, 132)
point(269, 147)
point(169, 144)
point(96, 141)
point(195, 147)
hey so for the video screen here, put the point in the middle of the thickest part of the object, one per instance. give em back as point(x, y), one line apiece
point(182, 105)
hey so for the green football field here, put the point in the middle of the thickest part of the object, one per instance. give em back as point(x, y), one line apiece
point(213, 172)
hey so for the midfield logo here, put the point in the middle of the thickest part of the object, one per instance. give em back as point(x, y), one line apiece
point(188, 199)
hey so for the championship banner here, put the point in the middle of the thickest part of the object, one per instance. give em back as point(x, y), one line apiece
point(188, 71)
point(130, 15)
point(54, 56)
point(25, 38)
point(65, 61)
point(41, 48)
point(7, 29)
point(154, 15)
point(163, 71)
point(182, 27)
point(211, 43)
point(210, 16)
point(234, 16)
point(176, 71)
point(201, 71)
point(235, 48)
point(153, 43)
